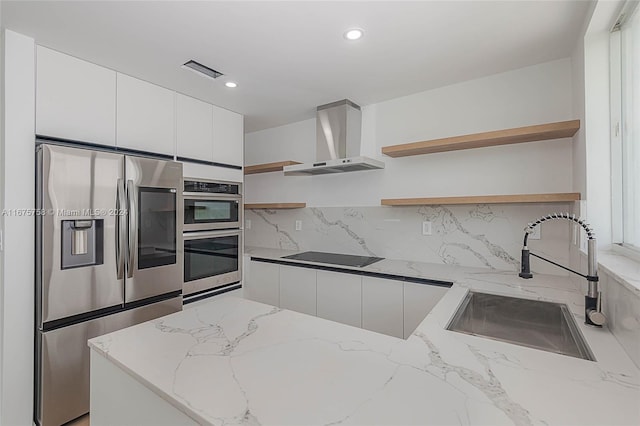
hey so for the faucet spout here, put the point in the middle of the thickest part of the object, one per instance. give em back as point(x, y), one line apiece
point(593, 299)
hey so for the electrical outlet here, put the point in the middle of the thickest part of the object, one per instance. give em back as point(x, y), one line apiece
point(247, 224)
point(426, 228)
point(535, 235)
point(583, 242)
point(298, 225)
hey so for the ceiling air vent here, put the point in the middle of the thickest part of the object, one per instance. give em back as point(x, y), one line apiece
point(201, 69)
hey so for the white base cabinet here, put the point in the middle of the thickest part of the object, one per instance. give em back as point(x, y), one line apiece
point(119, 399)
point(298, 289)
point(382, 306)
point(386, 306)
point(419, 300)
point(262, 282)
point(339, 297)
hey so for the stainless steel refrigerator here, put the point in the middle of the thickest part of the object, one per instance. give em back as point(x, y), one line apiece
point(108, 255)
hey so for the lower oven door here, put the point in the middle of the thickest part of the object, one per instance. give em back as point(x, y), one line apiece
point(211, 259)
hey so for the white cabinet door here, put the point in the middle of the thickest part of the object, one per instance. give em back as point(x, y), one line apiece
point(262, 282)
point(203, 171)
point(382, 306)
point(75, 99)
point(419, 299)
point(146, 116)
point(298, 289)
point(194, 128)
point(340, 297)
point(228, 137)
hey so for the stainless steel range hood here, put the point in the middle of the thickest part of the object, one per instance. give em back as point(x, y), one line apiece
point(338, 128)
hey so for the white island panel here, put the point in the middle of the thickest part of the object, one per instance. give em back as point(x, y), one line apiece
point(119, 399)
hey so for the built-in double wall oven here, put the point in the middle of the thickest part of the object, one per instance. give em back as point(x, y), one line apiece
point(212, 237)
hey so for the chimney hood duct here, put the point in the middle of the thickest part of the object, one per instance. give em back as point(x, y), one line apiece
point(338, 127)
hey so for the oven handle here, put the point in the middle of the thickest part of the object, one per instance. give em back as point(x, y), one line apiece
point(202, 196)
point(210, 234)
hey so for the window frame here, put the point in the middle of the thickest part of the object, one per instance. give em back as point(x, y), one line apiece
point(617, 136)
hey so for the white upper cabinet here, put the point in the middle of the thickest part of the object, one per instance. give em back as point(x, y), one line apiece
point(75, 99)
point(146, 116)
point(84, 102)
point(194, 128)
point(228, 137)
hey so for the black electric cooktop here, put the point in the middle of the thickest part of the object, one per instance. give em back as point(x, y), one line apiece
point(334, 258)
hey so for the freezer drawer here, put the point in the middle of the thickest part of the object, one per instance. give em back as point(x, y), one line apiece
point(62, 381)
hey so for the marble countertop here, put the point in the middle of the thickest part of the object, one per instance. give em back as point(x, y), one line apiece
point(235, 361)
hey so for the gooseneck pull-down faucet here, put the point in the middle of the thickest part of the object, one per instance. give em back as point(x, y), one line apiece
point(592, 301)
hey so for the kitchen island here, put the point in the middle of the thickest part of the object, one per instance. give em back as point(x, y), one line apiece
point(235, 361)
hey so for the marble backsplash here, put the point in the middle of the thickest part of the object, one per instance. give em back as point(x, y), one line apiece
point(468, 235)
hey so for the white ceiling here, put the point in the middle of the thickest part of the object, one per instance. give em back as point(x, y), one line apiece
point(288, 57)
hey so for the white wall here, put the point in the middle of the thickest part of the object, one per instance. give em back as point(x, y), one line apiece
point(532, 95)
point(17, 286)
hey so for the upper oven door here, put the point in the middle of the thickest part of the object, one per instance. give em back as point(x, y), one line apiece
point(206, 212)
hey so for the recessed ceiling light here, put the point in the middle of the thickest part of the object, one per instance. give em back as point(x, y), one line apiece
point(231, 84)
point(353, 34)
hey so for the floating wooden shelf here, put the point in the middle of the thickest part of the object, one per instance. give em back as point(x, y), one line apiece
point(484, 199)
point(275, 206)
point(268, 167)
point(541, 132)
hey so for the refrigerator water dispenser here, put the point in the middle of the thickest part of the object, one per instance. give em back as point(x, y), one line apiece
point(82, 243)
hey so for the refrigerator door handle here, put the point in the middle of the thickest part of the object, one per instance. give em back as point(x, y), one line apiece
point(121, 230)
point(133, 219)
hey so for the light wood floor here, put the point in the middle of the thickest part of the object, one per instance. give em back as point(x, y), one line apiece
point(82, 421)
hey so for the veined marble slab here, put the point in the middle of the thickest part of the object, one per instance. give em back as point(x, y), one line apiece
point(481, 235)
point(234, 361)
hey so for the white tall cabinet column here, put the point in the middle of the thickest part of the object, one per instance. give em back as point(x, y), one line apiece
point(16, 276)
point(75, 99)
point(146, 116)
point(194, 128)
point(228, 137)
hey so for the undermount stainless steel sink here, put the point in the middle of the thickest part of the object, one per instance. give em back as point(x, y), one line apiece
point(533, 323)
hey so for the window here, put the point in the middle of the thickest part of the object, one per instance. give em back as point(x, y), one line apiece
point(625, 84)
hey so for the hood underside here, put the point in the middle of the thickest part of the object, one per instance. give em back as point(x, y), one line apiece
point(340, 165)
